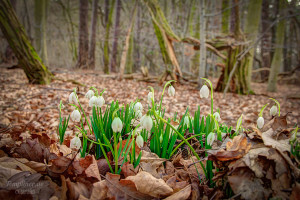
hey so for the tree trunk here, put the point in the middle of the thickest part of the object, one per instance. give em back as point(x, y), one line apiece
point(40, 19)
point(225, 16)
point(35, 70)
point(137, 59)
point(83, 48)
point(266, 39)
point(106, 40)
point(251, 29)
point(114, 55)
point(195, 32)
point(92, 46)
point(277, 58)
point(202, 66)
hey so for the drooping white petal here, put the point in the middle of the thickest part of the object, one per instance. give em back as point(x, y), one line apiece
point(89, 94)
point(75, 116)
point(217, 116)
point(273, 110)
point(75, 143)
point(150, 96)
point(204, 92)
point(138, 107)
point(146, 122)
point(99, 102)
point(139, 141)
point(186, 121)
point(171, 91)
point(117, 125)
point(210, 139)
point(260, 122)
point(72, 98)
point(92, 101)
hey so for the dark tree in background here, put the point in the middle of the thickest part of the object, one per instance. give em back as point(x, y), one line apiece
point(83, 48)
point(28, 59)
point(93, 35)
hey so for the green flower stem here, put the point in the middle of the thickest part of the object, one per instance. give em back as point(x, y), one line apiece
point(212, 95)
point(262, 110)
point(83, 112)
point(175, 149)
point(163, 94)
point(92, 141)
point(116, 153)
point(181, 137)
point(105, 156)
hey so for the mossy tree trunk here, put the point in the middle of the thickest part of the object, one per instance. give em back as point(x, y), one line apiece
point(114, 55)
point(92, 46)
point(251, 30)
point(83, 47)
point(202, 66)
point(29, 60)
point(40, 20)
point(107, 31)
point(225, 16)
point(278, 55)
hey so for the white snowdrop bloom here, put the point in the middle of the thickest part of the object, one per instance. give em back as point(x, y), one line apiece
point(210, 138)
point(204, 92)
point(138, 107)
point(171, 91)
point(89, 94)
point(186, 121)
point(76, 116)
point(260, 122)
point(273, 110)
point(138, 114)
point(139, 141)
point(150, 96)
point(92, 101)
point(146, 122)
point(99, 102)
point(217, 116)
point(72, 98)
point(75, 143)
point(117, 125)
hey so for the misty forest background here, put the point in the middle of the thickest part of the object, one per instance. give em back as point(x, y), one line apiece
point(165, 37)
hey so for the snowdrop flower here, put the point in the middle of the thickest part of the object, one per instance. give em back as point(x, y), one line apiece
point(273, 110)
point(72, 98)
point(186, 121)
point(96, 101)
point(92, 101)
point(138, 114)
point(146, 122)
point(117, 125)
point(260, 122)
point(138, 107)
point(75, 143)
point(217, 116)
point(89, 94)
point(150, 96)
point(171, 91)
point(76, 116)
point(210, 139)
point(204, 92)
point(139, 141)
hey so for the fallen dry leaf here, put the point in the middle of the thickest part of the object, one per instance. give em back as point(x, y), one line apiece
point(183, 194)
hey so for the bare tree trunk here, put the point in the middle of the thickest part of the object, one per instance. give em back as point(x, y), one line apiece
point(225, 16)
point(92, 46)
point(83, 48)
point(35, 70)
point(114, 55)
point(138, 39)
point(278, 55)
point(202, 66)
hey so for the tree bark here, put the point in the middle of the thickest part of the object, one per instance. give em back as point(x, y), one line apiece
point(114, 55)
point(278, 55)
point(92, 47)
point(83, 48)
point(202, 66)
point(225, 16)
point(35, 70)
point(251, 29)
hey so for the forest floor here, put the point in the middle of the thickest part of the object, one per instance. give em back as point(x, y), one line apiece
point(33, 110)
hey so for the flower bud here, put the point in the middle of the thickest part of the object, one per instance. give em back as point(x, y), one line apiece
point(72, 98)
point(171, 91)
point(273, 110)
point(138, 107)
point(99, 101)
point(161, 138)
point(89, 94)
point(217, 116)
point(204, 92)
point(117, 125)
point(76, 116)
point(150, 96)
point(139, 141)
point(146, 122)
point(210, 138)
point(260, 122)
point(75, 143)
point(186, 121)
